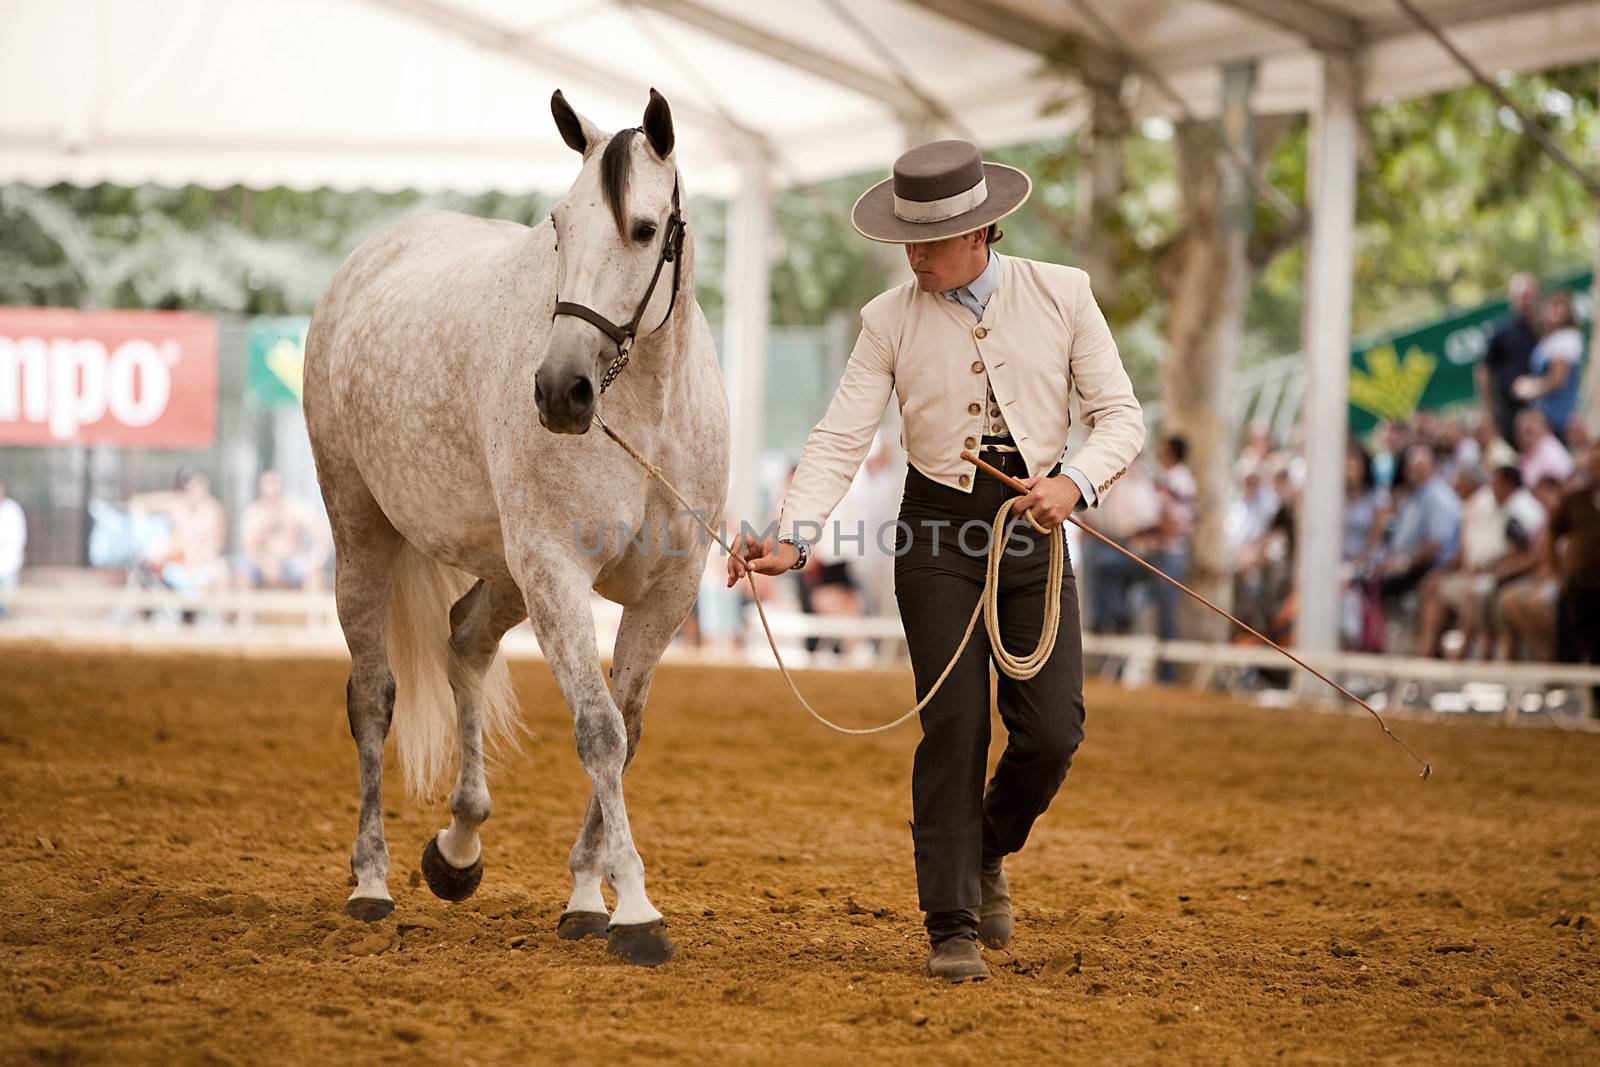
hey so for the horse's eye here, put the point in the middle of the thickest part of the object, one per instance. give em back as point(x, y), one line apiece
point(644, 231)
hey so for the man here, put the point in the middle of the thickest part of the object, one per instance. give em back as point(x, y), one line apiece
point(1540, 454)
point(191, 559)
point(1426, 526)
point(1510, 354)
point(1575, 552)
point(13, 539)
point(1499, 523)
point(983, 352)
point(283, 544)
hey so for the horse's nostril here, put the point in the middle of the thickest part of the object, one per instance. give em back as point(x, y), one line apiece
point(580, 394)
point(538, 395)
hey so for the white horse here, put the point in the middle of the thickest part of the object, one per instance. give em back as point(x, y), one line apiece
point(452, 370)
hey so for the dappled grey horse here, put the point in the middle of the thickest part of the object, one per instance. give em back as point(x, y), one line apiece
point(452, 372)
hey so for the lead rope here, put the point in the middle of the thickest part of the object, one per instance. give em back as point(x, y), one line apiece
point(1019, 667)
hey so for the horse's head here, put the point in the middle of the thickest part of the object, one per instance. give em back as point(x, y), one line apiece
point(612, 231)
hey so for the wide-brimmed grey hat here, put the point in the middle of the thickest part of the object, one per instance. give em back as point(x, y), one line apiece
point(940, 189)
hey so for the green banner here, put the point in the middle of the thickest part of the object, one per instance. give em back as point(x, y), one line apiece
point(1395, 375)
point(277, 357)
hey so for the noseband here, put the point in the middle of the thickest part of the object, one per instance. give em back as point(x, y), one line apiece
point(623, 336)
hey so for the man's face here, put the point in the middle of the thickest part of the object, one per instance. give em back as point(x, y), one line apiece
point(1523, 293)
point(950, 263)
point(1419, 465)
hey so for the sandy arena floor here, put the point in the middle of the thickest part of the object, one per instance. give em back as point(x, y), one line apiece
point(1215, 885)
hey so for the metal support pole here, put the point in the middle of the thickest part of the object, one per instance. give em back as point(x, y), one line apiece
point(747, 297)
point(1326, 344)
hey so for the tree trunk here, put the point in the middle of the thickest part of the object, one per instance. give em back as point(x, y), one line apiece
point(1206, 278)
point(1104, 176)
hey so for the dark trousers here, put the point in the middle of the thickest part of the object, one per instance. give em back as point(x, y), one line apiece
point(939, 572)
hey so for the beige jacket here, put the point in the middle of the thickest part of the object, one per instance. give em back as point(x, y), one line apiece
point(1042, 336)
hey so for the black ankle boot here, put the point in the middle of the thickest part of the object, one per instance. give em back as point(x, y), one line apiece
point(953, 940)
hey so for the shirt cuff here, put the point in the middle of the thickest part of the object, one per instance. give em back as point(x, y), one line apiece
point(1087, 497)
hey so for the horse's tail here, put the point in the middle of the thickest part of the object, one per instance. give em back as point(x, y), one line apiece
point(420, 658)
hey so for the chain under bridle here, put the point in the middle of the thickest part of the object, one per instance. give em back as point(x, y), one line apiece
point(623, 336)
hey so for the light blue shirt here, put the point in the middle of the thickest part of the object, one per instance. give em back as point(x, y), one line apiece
point(974, 296)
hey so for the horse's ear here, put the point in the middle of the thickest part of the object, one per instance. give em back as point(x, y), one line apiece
point(658, 124)
point(580, 134)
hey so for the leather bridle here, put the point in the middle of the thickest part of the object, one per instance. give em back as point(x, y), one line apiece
point(624, 336)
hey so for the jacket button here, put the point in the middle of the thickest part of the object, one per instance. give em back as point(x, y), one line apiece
point(981, 332)
point(971, 442)
point(977, 366)
point(993, 412)
point(974, 409)
point(965, 481)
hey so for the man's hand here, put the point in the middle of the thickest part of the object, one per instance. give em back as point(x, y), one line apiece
point(1050, 499)
point(763, 557)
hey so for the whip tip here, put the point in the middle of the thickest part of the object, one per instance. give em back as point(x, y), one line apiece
point(1427, 771)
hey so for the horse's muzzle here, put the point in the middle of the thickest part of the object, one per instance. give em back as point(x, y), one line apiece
point(568, 407)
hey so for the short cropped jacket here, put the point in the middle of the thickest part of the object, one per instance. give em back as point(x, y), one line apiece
point(1042, 338)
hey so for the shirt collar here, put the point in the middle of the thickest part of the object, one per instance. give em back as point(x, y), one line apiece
point(983, 286)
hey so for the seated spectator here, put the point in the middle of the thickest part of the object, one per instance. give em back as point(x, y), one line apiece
point(13, 538)
point(191, 558)
point(1499, 523)
point(1551, 386)
point(1363, 504)
point(1131, 517)
point(1540, 454)
point(283, 542)
point(1575, 555)
point(1525, 607)
point(1427, 523)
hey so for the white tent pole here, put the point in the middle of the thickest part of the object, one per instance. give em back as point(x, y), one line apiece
point(1331, 179)
point(746, 301)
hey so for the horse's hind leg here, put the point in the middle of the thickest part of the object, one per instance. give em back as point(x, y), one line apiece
point(646, 630)
point(453, 859)
point(366, 546)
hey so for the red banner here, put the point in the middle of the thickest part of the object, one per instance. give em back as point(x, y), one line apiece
point(136, 379)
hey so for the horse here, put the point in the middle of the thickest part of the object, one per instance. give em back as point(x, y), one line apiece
point(452, 370)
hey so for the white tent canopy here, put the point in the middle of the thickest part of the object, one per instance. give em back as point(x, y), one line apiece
point(453, 93)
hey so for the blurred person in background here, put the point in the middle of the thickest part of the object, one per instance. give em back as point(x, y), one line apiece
point(1364, 503)
point(1509, 355)
point(1525, 607)
point(1176, 490)
point(190, 561)
point(1540, 454)
point(1500, 523)
point(283, 544)
point(1574, 545)
point(13, 539)
point(1132, 518)
point(1551, 384)
point(1427, 524)
point(1393, 440)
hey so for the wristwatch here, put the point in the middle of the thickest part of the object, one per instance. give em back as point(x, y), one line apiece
point(801, 547)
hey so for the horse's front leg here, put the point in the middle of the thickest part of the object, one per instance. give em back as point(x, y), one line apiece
point(557, 593)
point(647, 629)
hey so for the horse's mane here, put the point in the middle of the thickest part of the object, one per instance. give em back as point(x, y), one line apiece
point(614, 170)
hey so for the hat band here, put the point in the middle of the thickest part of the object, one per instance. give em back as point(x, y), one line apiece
point(939, 210)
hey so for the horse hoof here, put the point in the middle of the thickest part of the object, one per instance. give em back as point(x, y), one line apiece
point(641, 944)
point(447, 882)
point(368, 909)
point(577, 925)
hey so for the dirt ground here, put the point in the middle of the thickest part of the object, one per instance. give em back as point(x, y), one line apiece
point(1216, 884)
